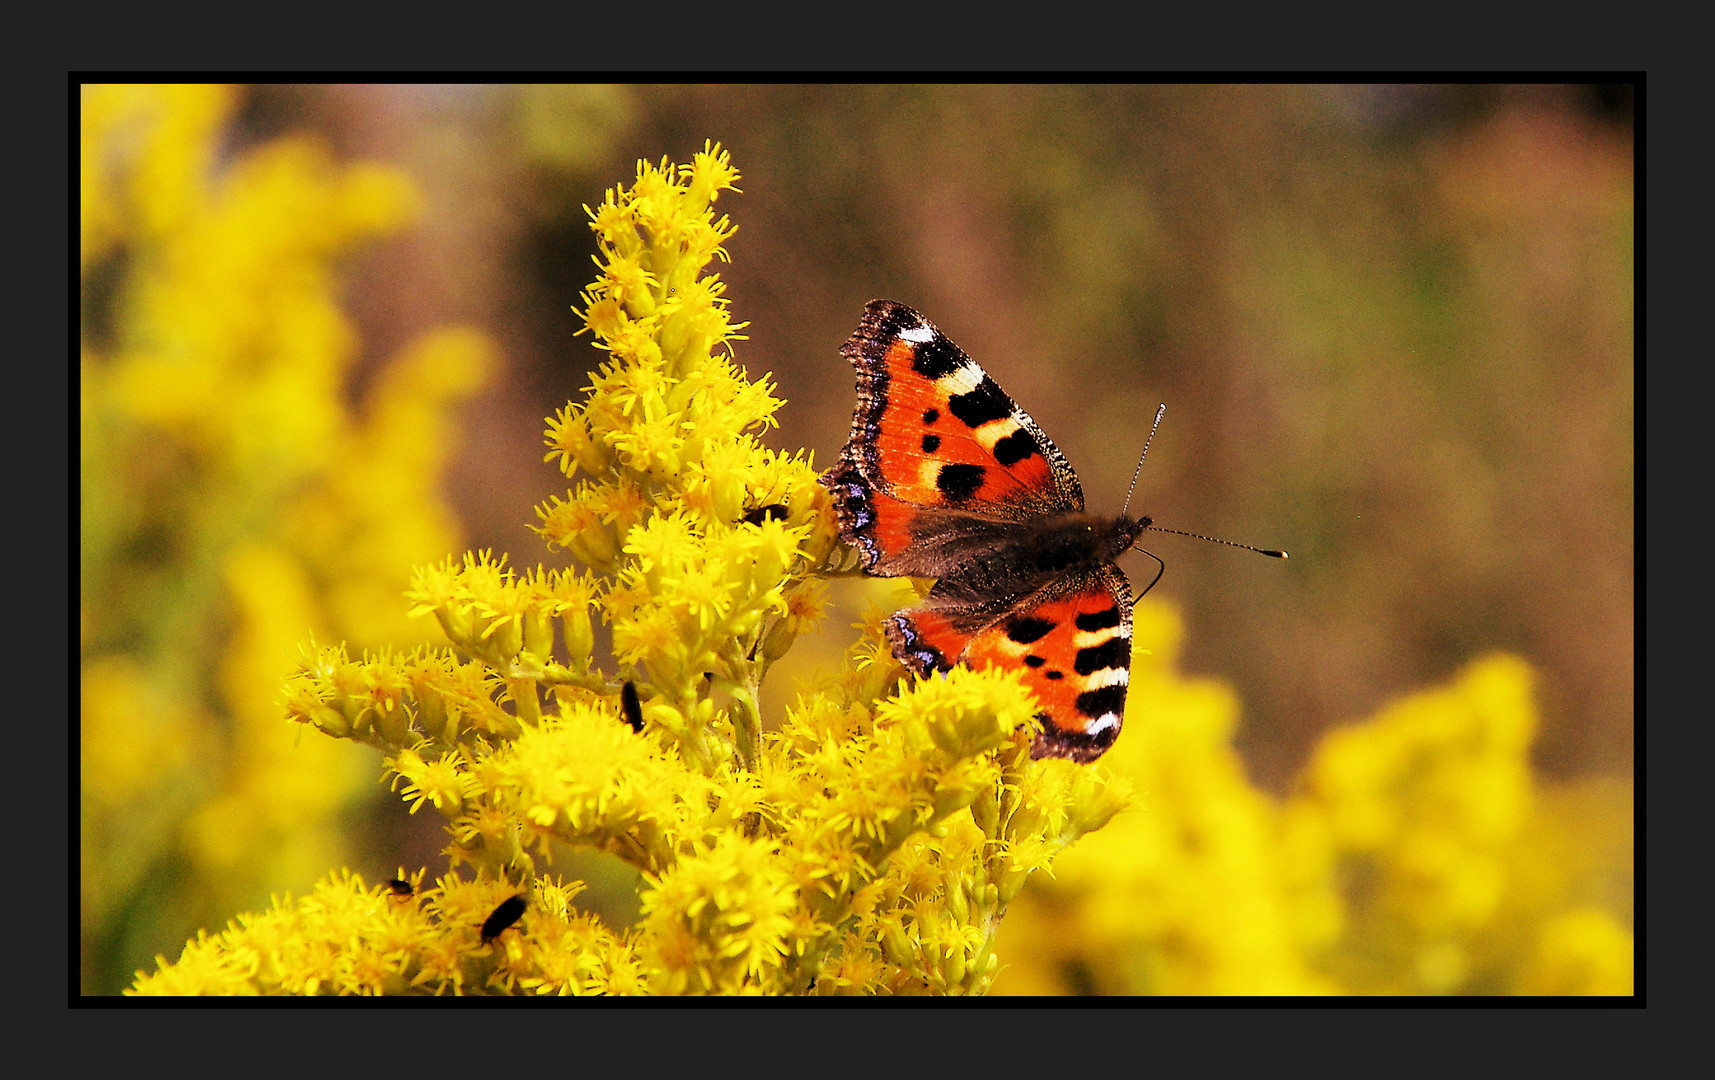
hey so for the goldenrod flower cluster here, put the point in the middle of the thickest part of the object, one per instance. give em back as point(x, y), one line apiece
point(871, 845)
point(1414, 855)
point(232, 498)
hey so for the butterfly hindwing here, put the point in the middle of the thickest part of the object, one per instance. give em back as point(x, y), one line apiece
point(1071, 643)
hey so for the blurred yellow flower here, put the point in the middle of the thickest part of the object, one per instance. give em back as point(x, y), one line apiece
point(1412, 858)
point(231, 500)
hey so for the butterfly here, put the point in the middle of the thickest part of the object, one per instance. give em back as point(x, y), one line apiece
point(944, 477)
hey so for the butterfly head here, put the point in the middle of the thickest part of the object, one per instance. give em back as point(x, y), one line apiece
point(1124, 531)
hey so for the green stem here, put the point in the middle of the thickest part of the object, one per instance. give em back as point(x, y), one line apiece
point(747, 724)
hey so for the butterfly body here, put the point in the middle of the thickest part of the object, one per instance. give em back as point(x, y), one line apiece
point(994, 565)
point(944, 477)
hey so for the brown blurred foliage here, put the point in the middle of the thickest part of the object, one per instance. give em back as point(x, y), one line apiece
point(1393, 326)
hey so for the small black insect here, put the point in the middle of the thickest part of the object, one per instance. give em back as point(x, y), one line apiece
point(771, 512)
point(502, 917)
point(399, 887)
point(631, 707)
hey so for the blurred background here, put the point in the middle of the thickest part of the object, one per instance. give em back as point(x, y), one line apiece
point(1393, 326)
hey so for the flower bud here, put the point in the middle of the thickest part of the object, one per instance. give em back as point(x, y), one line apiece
point(580, 634)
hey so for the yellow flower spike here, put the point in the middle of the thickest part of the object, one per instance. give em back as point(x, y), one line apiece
point(631, 286)
point(586, 777)
point(831, 855)
point(523, 694)
point(954, 792)
point(503, 638)
point(710, 173)
point(805, 606)
point(391, 720)
point(952, 970)
point(350, 689)
point(636, 344)
point(721, 469)
point(307, 694)
point(985, 811)
point(1096, 797)
point(652, 199)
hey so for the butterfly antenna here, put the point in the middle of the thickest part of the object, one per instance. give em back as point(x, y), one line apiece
point(1213, 540)
point(1159, 413)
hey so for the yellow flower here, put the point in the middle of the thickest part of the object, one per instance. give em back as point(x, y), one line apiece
point(233, 498)
point(1584, 951)
point(722, 919)
point(838, 855)
point(439, 783)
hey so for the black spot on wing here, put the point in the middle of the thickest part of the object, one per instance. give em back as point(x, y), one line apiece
point(984, 403)
point(931, 415)
point(937, 358)
point(931, 443)
point(1112, 653)
point(959, 482)
point(1015, 447)
point(1100, 702)
point(1028, 629)
point(1097, 620)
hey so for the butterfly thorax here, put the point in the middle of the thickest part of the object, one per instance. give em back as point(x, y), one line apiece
point(983, 568)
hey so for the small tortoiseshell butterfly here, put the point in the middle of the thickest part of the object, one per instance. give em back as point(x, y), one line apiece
point(944, 477)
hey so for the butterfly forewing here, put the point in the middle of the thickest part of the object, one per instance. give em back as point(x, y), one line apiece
point(937, 431)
